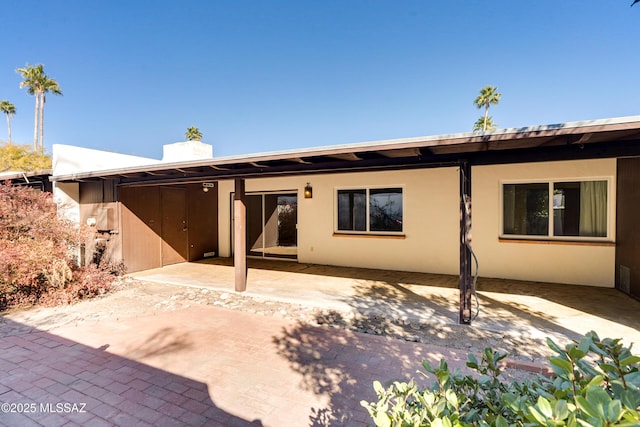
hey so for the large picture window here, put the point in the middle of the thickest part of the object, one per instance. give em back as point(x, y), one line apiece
point(578, 209)
point(370, 210)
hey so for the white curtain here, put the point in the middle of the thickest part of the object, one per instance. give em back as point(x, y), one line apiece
point(593, 208)
point(509, 206)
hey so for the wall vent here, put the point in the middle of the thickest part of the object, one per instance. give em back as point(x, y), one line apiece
point(625, 279)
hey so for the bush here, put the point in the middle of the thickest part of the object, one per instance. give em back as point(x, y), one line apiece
point(38, 252)
point(15, 157)
point(595, 383)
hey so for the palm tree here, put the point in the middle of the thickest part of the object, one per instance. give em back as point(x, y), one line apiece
point(193, 134)
point(10, 110)
point(485, 124)
point(31, 76)
point(38, 83)
point(488, 96)
point(48, 86)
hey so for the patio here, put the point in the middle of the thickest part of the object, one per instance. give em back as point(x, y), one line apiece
point(507, 307)
point(200, 364)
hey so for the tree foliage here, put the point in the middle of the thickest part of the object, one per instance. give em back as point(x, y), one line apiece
point(38, 252)
point(38, 83)
point(488, 96)
point(193, 134)
point(21, 158)
point(484, 124)
point(9, 110)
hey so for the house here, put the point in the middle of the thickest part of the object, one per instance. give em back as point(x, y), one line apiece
point(35, 179)
point(555, 203)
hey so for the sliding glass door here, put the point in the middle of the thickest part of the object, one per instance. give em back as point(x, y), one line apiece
point(272, 220)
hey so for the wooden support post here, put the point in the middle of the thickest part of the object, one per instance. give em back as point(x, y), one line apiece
point(239, 236)
point(465, 241)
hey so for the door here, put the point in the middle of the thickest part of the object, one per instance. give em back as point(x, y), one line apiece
point(141, 228)
point(175, 242)
point(628, 226)
point(272, 220)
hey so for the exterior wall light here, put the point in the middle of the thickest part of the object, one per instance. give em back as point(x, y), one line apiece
point(308, 191)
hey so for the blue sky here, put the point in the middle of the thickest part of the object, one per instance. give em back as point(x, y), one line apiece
point(258, 76)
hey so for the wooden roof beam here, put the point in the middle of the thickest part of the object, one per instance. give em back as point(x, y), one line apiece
point(396, 154)
point(257, 165)
point(345, 156)
point(300, 160)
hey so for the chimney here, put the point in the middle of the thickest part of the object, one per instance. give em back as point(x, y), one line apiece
point(188, 150)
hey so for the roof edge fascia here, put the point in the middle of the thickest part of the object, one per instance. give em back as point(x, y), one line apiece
point(600, 125)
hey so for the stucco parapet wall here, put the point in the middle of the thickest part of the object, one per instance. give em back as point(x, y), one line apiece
point(187, 150)
point(70, 159)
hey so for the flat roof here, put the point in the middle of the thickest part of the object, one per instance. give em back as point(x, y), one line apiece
point(25, 175)
point(422, 151)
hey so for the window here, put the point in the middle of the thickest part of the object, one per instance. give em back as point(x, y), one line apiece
point(370, 210)
point(579, 209)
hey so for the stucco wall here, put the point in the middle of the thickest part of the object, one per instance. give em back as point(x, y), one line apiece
point(69, 159)
point(431, 224)
point(560, 262)
point(67, 197)
point(430, 241)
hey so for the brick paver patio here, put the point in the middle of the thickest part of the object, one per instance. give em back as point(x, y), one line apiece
point(199, 366)
point(205, 365)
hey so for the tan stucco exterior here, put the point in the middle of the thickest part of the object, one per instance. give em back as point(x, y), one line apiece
point(560, 262)
point(430, 240)
point(430, 237)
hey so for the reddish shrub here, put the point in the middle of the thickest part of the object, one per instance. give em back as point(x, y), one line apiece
point(38, 251)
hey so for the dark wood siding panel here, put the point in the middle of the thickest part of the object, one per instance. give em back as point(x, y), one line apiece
point(628, 226)
point(141, 228)
point(99, 209)
point(98, 191)
point(203, 221)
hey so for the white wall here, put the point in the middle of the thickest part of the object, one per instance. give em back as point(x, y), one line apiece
point(560, 262)
point(67, 197)
point(68, 159)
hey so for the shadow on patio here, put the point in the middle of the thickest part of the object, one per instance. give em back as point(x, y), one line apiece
point(517, 310)
point(96, 387)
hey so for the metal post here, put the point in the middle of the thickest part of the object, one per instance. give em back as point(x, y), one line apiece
point(465, 240)
point(239, 236)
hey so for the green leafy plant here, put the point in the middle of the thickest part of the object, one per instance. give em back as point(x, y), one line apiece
point(595, 383)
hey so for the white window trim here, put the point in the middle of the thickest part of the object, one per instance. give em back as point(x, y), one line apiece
point(367, 189)
point(551, 181)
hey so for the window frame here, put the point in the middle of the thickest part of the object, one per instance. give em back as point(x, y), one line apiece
point(367, 189)
point(551, 184)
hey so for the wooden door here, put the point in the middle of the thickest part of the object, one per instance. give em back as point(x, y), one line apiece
point(175, 242)
point(140, 214)
point(628, 226)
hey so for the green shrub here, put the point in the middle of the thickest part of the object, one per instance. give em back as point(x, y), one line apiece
point(595, 383)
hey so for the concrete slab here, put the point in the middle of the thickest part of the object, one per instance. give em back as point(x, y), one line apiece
point(539, 310)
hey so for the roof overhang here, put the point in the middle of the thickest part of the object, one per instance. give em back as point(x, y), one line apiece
point(590, 139)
